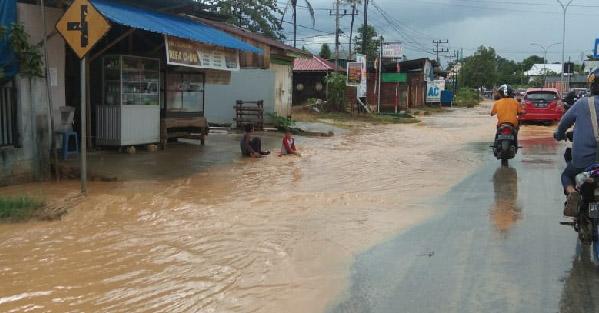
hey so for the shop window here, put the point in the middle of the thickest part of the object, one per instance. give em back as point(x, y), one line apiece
point(185, 93)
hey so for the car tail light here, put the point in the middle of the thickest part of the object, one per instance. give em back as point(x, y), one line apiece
point(506, 131)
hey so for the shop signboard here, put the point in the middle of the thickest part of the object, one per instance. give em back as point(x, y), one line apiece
point(395, 77)
point(392, 51)
point(82, 26)
point(354, 73)
point(362, 88)
point(193, 54)
point(433, 91)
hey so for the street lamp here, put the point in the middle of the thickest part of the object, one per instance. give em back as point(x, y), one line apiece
point(565, 9)
point(545, 49)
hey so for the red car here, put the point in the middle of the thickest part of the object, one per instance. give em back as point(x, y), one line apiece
point(542, 105)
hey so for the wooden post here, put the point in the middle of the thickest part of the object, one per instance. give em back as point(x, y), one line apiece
point(84, 124)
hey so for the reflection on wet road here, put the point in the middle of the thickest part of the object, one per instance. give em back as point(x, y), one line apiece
point(513, 257)
point(505, 211)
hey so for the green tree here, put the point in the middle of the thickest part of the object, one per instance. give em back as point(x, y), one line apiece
point(325, 51)
point(372, 40)
point(335, 83)
point(480, 69)
point(261, 16)
point(508, 71)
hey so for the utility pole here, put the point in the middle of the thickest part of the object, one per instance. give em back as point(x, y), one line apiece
point(565, 9)
point(336, 34)
point(353, 14)
point(442, 50)
point(378, 106)
point(338, 14)
point(364, 27)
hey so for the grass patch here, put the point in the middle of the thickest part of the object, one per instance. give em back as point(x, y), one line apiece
point(466, 97)
point(19, 208)
point(347, 119)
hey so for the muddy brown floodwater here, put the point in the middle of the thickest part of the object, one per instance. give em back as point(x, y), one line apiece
point(271, 235)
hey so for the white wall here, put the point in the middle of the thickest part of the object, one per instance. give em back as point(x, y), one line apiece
point(31, 17)
point(246, 85)
point(30, 160)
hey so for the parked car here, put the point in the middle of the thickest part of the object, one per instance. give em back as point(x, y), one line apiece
point(542, 105)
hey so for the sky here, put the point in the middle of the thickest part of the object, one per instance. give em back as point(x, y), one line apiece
point(509, 26)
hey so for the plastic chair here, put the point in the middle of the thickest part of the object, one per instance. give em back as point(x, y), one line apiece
point(66, 139)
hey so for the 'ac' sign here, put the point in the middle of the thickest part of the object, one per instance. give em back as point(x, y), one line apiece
point(433, 91)
point(596, 50)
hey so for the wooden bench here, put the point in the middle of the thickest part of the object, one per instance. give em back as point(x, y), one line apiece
point(249, 113)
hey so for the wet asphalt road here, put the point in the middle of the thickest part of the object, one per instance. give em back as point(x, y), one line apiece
point(497, 247)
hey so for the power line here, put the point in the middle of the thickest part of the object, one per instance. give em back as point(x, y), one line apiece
point(497, 8)
point(410, 41)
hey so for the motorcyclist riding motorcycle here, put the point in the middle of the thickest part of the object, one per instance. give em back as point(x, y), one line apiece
point(585, 149)
point(507, 109)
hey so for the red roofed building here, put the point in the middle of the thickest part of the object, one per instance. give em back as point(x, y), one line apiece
point(308, 78)
point(314, 64)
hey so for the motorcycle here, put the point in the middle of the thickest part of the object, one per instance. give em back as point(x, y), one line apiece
point(505, 146)
point(586, 222)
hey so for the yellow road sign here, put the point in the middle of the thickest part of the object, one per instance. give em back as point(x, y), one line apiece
point(82, 26)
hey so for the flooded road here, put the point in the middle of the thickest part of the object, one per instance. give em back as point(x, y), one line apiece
point(498, 247)
point(271, 235)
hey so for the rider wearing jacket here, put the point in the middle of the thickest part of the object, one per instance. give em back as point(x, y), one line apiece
point(584, 148)
point(507, 109)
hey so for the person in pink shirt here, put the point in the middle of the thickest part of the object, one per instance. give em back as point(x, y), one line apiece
point(288, 146)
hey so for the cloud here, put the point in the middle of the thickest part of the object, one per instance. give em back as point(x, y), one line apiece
point(510, 26)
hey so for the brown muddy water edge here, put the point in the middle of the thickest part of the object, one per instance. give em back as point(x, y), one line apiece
point(270, 235)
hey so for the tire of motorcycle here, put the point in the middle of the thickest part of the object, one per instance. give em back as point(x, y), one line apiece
point(586, 228)
point(504, 162)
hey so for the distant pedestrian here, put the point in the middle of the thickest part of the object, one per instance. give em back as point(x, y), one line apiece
point(288, 146)
point(251, 147)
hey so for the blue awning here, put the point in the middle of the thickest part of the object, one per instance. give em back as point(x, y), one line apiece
point(171, 25)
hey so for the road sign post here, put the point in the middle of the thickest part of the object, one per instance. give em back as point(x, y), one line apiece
point(82, 26)
point(83, 130)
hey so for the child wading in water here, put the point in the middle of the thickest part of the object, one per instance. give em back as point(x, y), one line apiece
point(288, 146)
point(251, 147)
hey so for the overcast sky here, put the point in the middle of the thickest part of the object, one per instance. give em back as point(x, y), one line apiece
point(509, 26)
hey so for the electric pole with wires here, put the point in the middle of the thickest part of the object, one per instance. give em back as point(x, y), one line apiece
point(338, 15)
point(438, 50)
point(365, 26)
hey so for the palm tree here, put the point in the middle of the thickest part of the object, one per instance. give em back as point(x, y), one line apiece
point(294, 11)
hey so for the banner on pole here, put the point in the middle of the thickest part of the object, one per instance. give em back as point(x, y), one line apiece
point(354, 73)
point(363, 87)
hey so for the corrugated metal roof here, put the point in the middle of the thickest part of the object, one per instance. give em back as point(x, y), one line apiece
point(171, 25)
point(314, 64)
